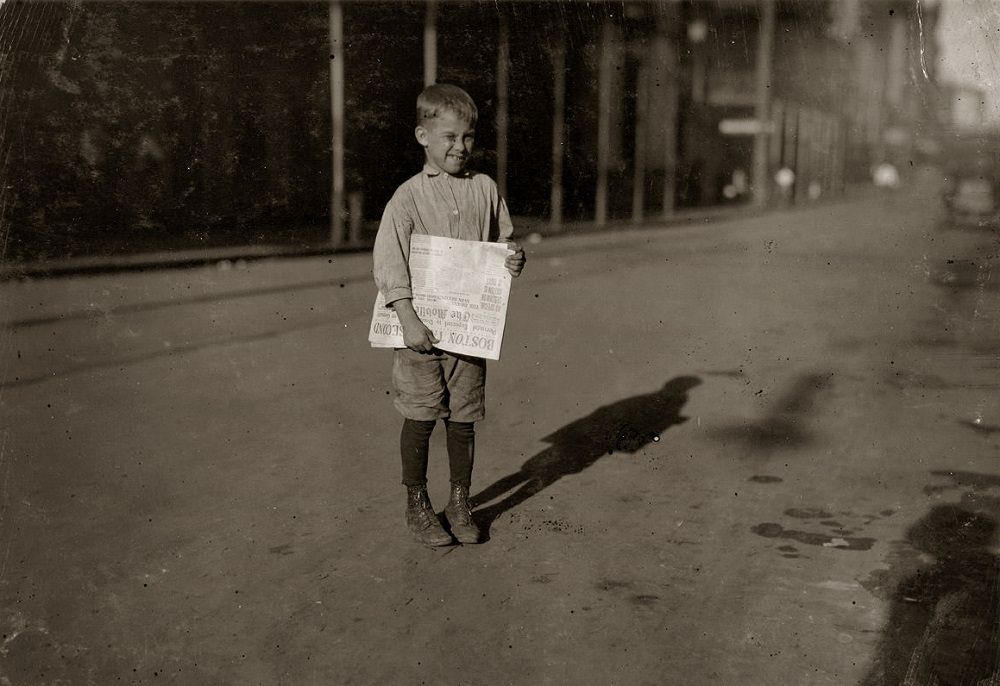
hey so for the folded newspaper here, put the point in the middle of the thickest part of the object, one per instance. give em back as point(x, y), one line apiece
point(460, 292)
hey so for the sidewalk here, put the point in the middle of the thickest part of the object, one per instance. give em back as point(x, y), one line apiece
point(95, 264)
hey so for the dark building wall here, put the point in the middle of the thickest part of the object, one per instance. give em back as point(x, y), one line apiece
point(533, 29)
point(139, 126)
point(160, 124)
point(383, 67)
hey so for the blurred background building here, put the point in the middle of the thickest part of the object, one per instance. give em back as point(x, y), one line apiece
point(963, 106)
point(137, 126)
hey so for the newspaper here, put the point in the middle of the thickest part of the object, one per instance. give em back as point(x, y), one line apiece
point(460, 292)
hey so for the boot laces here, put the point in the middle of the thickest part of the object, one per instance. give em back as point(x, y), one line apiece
point(460, 504)
point(420, 510)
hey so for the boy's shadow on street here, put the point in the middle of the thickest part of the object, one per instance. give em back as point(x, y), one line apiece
point(625, 426)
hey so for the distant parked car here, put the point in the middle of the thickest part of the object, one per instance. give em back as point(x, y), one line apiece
point(971, 165)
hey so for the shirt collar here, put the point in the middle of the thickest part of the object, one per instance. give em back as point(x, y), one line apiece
point(431, 171)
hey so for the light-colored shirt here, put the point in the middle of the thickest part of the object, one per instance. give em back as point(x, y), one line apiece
point(466, 207)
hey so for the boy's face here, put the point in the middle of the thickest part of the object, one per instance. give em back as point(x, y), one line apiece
point(447, 141)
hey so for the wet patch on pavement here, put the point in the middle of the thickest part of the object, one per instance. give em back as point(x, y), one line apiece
point(629, 498)
point(807, 513)
point(765, 479)
point(773, 530)
point(644, 600)
point(825, 531)
point(791, 552)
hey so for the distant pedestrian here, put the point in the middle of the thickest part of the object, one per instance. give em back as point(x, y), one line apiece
point(444, 199)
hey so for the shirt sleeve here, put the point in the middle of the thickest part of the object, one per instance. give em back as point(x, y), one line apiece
point(504, 224)
point(501, 228)
point(391, 253)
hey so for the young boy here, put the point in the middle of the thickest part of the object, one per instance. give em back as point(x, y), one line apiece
point(444, 199)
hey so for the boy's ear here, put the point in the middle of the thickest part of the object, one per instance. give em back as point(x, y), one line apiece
point(421, 134)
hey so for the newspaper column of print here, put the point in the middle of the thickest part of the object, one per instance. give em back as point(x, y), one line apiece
point(460, 292)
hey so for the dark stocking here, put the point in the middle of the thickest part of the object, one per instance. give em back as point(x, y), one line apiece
point(413, 447)
point(461, 451)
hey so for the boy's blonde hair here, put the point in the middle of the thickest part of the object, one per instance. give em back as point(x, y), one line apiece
point(444, 97)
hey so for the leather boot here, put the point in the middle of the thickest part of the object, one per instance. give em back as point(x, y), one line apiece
point(460, 516)
point(421, 520)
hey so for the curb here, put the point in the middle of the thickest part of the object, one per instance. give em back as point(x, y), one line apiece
point(527, 226)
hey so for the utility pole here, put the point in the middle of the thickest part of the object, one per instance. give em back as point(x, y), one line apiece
point(765, 47)
point(430, 44)
point(503, 87)
point(670, 75)
point(603, 123)
point(558, 127)
point(336, 12)
point(639, 156)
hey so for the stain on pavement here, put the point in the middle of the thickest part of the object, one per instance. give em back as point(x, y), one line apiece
point(807, 513)
point(773, 530)
point(824, 531)
point(765, 479)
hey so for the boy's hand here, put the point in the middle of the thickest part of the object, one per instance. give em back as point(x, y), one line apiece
point(515, 262)
point(416, 335)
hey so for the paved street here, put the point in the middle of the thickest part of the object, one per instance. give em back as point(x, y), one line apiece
point(762, 451)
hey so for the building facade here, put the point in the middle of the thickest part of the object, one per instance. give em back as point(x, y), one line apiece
point(142, 126)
